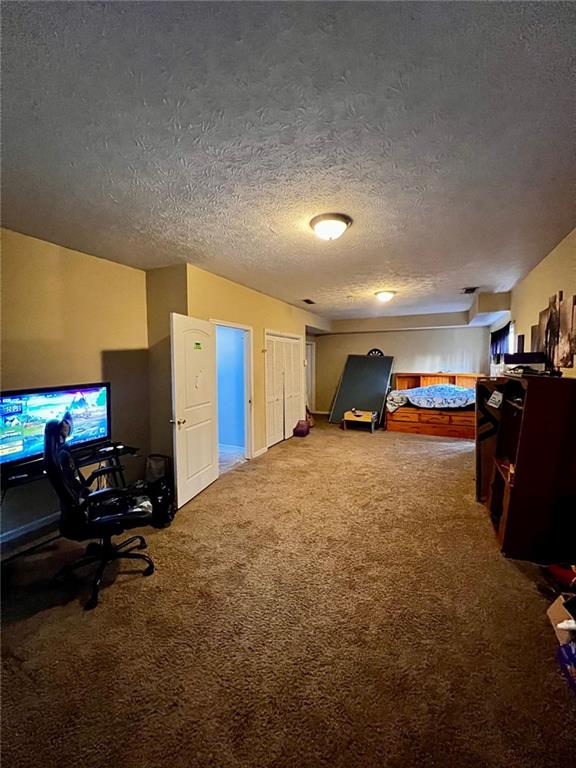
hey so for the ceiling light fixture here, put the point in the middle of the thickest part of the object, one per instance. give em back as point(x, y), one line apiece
point(330, 226)
point(384, 295)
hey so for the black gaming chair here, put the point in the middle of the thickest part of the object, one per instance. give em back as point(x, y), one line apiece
point(93, 514)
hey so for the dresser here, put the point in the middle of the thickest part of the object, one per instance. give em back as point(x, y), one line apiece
point(532, 494)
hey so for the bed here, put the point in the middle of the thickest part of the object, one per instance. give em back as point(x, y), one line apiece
point(433, 404)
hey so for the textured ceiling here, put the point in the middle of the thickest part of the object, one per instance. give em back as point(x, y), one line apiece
point(154, 133)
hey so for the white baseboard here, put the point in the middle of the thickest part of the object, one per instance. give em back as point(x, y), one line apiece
point(260, 452)
point(320, 413)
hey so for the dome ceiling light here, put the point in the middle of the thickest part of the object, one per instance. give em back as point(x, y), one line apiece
point(330, 226)
point(384, 296)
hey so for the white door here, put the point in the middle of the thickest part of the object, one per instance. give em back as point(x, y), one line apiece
point(284, 387)
point(194, 405)
point(298, 384)
point(292, 385)
point(274, 391)
point(310, 375)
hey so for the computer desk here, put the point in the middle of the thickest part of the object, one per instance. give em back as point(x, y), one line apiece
point(108, 454)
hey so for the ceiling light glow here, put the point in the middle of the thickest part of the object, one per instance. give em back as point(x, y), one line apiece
point(330, 226)
point(384, 296)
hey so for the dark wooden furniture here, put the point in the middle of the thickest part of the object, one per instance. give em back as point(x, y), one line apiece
point(411, 380)
point(532, 498)
point(444, 422)
point(487, 424)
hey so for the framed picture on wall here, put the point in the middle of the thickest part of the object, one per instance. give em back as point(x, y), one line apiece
point(555, 334)
point(567, 333)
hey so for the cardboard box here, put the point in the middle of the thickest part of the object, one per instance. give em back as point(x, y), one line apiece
point(557, 613)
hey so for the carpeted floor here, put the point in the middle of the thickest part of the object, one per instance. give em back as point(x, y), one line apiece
point(338, 602)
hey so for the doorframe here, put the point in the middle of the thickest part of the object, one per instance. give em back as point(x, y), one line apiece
point(312, 404)
point(248, 382)
point(301, 339)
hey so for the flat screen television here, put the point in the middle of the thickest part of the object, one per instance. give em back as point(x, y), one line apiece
point(24, 413)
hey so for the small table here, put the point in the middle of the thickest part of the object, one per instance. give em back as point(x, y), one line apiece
point(362, 417)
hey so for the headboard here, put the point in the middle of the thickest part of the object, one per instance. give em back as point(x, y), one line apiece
point(411, 380)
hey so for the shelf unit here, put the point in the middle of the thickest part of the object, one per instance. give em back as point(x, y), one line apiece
point(532, 494)
point(410, 380)
point(487, 423)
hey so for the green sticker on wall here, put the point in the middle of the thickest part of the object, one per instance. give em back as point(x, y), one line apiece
point(197, 345)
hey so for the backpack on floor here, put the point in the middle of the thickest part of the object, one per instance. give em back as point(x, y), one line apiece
point(159, 487)
point(301, 429)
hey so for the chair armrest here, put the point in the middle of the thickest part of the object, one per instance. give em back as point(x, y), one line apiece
point(106, 494)
point(103, 471)
point(102, 515)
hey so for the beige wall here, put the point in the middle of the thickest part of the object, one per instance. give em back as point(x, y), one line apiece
point(166, 292)
point(213, 297)
point(557, 272)
point(209, 297)
point(72, 318)
point(448, 349)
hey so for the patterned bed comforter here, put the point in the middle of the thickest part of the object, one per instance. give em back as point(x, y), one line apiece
point(434, 396)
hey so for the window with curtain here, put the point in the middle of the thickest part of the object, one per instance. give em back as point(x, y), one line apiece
point(499, 342)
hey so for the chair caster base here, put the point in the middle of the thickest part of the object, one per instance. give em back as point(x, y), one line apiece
point(93, 549)
point(105, 553)
point(91, 604)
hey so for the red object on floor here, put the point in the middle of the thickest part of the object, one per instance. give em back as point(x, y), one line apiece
point(565, 575)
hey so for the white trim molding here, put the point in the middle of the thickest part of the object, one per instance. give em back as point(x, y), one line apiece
point(284, 334)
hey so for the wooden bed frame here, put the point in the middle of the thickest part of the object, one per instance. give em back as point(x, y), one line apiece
point(445, 422)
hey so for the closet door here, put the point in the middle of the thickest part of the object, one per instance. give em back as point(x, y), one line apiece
point(288, 388)
point(269, 386)
point(293, 385)
point(279, 384)
point(284, 387)
point(274, 391)
point(298, 356)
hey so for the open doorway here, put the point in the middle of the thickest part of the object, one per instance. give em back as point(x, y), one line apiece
point(233, 366)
